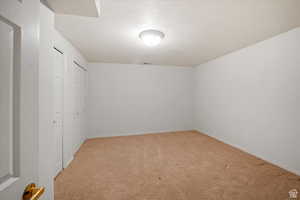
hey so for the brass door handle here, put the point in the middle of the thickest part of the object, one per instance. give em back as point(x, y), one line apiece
point(32, 192)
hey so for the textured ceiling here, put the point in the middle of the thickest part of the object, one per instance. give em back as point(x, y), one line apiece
point(196, 30)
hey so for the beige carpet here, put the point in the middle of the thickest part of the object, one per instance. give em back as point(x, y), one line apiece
point(171, 166)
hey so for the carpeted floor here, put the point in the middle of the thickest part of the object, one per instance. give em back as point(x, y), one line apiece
point(170, 166)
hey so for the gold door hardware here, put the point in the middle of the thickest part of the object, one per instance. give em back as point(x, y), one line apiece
point(32, 192)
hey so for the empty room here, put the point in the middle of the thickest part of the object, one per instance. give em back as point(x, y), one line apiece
point(149, 100)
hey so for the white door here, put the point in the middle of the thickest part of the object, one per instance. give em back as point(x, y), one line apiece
point(58, 110)
point(79, 91)
point(18, 97)
point(77, 106)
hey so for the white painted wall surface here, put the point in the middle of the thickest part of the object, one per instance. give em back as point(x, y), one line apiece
point(136, 99)
point(46, 139)
point(251, 99)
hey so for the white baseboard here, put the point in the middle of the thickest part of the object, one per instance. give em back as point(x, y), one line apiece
point(274, 162)
point(136, 133)
point(68, 162)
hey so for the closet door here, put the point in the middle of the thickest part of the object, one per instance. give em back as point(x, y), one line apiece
point(82, 103)
point(76, 106)
point(79, 90)
point(58, 110)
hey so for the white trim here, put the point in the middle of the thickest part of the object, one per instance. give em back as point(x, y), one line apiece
point(68, 162)
point(274, 162)
point(8, 182)
point(137, 133)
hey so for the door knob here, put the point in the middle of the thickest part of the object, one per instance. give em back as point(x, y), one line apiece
point(32, 192)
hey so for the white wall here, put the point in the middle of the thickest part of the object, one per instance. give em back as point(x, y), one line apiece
point(248, 99)
point(135, 99)
point(49, 37)
point(46, 77)
point(251, 99)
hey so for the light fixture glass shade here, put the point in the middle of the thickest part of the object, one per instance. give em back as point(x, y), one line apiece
point(152, 37)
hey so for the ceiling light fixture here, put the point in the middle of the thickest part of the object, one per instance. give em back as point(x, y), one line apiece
point(152, 37)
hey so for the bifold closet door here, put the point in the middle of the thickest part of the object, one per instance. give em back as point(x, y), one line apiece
point(79, 93)
point(58, 110)
point(73, 119)
point(74, 103)
point(82, 97)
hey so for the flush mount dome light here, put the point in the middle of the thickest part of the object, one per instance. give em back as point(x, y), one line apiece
point(152, 37)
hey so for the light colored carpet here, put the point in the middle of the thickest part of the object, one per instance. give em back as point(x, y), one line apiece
point(171, 166)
